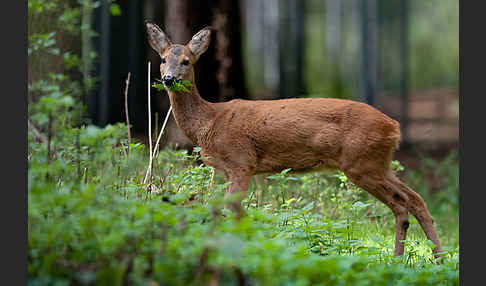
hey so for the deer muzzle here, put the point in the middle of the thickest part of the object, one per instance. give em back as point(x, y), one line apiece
point(168, 80)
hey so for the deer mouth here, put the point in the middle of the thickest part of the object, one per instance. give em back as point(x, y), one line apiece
point(168, 81)
point(175, 84)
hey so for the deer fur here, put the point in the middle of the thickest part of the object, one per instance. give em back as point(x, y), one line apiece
point(242, 138)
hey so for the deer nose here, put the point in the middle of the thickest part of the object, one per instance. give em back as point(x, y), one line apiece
point(168, 80)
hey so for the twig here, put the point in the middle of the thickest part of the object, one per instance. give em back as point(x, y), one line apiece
point(49, 138)
point(153, 153)
point(211, 182)
point(123, 149)
point(128, 271)
point(162, 130)
point(157, 144)
point(126, 113)
point(156, 131)
point(202, 264)
point(149, 169)
point(166, 175)
point(78, 153)
point(36, 132)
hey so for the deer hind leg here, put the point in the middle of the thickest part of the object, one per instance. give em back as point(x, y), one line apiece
point(416, 205)
point(401, 200)
point(385, 191)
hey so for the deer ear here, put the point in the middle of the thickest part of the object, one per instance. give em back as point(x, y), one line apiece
point(200, 42)
point(157, 38)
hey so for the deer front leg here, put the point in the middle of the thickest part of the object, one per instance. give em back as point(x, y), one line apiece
point(240, 180)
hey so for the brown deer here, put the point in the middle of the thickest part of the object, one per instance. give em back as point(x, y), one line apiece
point(243, 138)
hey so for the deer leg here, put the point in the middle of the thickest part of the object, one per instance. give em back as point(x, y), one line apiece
point(396, 201)
point(240, 180)
point(416, 205)
point(384, 190)
point(401, 221)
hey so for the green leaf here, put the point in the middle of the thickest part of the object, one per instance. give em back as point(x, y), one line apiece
point(179, 85)
point(430, 243)
point(159, 86)
point(187, 83)
point(115, 9)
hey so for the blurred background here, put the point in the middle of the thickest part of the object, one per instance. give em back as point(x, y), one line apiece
point(401, 56)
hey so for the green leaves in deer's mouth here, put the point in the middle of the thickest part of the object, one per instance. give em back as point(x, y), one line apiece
point(178, 85)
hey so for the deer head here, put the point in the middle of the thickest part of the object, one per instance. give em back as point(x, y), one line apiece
point(177, 61)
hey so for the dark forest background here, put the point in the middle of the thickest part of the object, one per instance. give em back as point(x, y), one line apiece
point(400, 56)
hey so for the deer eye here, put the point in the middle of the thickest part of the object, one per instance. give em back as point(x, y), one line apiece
point(185, 62)
point(163, 60)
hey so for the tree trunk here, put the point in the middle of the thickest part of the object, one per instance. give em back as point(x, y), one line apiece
point(219, 72)
point(291, 51)
point(369, 51)
point(271, 45)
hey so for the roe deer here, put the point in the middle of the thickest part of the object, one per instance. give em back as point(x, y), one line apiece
point(243, 138)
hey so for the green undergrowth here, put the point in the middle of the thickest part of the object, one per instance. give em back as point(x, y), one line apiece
point(93, 222)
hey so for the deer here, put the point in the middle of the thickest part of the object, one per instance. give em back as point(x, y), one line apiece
point(242, 138)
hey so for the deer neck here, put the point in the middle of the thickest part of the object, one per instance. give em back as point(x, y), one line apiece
point(192, 113)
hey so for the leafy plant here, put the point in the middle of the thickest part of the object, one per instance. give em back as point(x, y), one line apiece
point(178, 85)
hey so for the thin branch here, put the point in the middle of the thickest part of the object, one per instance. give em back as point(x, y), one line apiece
point(49, 139)
point(126, 113)
point(78, 153)
point(162, 131)
point(149, 113)
point(149, 169)
point(36, 132)
point(154, 134)
point(153, 151)
point(157, 144)
point(201, 268)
